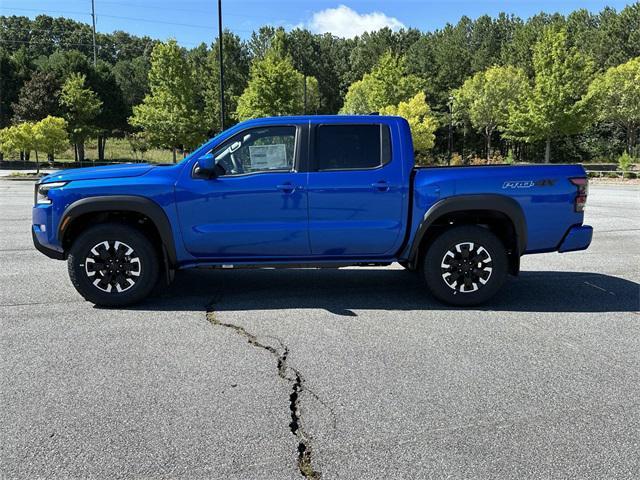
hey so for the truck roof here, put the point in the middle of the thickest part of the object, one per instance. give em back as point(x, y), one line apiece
point(323, 118)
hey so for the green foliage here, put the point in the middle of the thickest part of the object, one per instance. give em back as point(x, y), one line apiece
point(50, 135)
point(139, 143)
point(321, 57)
point(422, 123)
point(113, 114)
point(554, 108)
point(510, 158)
point(274, 88)
point(260, 42)
point(81, 106)
point(168, 114)
point(387, 84)
point(486, 99)
point(8, 144)
point(10, 82)
point(18, 138)
point(616, 98)
point(131, 77)
point(441, 60)
point(518, 51)
point(38, 98)
point(367, 49)
point(456, 160)
point(236, 73)
point(625, 162)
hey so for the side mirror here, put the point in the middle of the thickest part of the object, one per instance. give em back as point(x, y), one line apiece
point(206, 166)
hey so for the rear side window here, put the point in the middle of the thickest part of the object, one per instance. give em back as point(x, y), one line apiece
point(351, 147)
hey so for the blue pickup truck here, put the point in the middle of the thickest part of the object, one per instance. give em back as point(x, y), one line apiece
point(307, 191)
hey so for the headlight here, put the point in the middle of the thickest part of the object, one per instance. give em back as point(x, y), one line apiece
point(42, 191)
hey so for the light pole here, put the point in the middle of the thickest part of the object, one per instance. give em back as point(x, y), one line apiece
point(450, 129)
point(221, 65)
point(93, 19)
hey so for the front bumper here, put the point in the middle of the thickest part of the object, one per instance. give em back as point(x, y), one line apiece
point(576, 238)
point(41, 232)
point(49, 252)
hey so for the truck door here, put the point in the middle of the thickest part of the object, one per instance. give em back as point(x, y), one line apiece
point(356, 191)
point(257, 206)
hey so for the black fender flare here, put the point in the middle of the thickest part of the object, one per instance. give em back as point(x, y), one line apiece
point(468, 203)
point(123, 203)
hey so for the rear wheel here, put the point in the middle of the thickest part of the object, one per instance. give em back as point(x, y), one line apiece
point(465, 265)
point(113, 265)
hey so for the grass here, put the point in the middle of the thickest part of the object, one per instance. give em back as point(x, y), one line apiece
point(116, 150)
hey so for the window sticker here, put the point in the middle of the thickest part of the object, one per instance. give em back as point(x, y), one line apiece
point(268, 157)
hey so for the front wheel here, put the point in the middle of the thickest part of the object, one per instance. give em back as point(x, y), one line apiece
point(465, 266)
point(113, 265)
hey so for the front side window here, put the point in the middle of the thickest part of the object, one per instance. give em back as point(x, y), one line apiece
point(267, 149)
point(351, 147)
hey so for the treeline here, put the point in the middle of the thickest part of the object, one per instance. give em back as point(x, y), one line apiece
point(473, 89)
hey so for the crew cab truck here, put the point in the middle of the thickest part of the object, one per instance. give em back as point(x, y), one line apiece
point(324, 191)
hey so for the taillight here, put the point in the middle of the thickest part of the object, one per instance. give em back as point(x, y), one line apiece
point(582, 183)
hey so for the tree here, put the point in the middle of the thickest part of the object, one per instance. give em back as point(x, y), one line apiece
point(64, 63)
point(37, 98)
point(316, 56)
point(139, 143)
point(81, 106)
point(260, 42)
point(131, 77)
point(488, 38)
point(4, 142)
point(10, 82)
point(236, 73)
point(486, 99)
point(8, 143)
point(443, 58)
point(19, 138)
point(519, 50)
point(387, 84)
point(367, 49)
point(616, 97)
point(168, 114)
point(50, 136)
point(113, 114)
point(274, 88)
point(554, 108)
point(422, 123)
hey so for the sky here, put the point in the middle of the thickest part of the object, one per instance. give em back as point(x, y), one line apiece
point(194, 21)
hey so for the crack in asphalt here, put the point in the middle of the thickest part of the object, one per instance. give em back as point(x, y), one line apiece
point(293, 377)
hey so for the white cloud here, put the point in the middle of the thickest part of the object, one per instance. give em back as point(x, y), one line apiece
point(345, 22)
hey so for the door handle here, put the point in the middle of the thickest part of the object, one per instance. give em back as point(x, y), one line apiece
point(287, 187)
point(381, 186)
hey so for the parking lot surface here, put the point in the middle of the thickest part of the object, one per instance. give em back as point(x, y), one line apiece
point(351, 373)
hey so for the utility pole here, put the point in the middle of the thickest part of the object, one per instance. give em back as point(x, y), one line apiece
point(221, 65)
point(450, 142)
point(93, 18)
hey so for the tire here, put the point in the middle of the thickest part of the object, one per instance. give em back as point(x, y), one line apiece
point(451, 276)
point(117, 284)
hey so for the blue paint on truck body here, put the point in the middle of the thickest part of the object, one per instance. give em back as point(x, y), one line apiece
point(309, 215)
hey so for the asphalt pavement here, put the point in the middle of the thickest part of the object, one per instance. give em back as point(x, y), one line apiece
point(345, 374)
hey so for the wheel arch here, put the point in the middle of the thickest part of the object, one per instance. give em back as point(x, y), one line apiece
point(93, 210)
point(503, 215)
